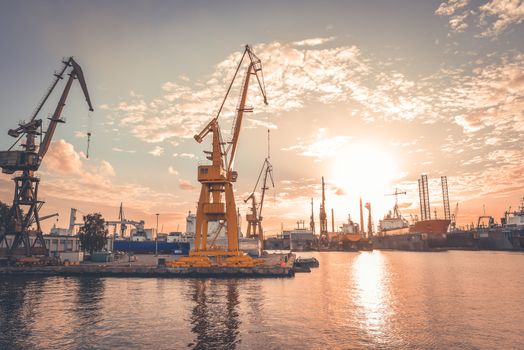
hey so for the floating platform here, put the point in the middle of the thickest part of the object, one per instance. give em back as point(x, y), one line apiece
point(140, 271)
point(274, 267)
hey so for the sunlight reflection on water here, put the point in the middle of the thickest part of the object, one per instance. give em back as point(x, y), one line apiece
point(372, 294)
point(362, 300)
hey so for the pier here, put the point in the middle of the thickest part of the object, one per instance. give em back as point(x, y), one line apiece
point(275, 266)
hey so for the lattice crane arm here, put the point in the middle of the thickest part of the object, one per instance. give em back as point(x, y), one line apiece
point(207, 129)
point(268, 173)
point(254, 68)
point(76, 73)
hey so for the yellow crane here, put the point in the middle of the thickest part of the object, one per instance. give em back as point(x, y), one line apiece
point(217, 200)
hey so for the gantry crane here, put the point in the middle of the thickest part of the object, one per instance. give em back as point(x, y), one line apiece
point(24, 213)
point(254, 218)
point(217, 201)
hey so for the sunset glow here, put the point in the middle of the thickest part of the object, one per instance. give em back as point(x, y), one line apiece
point(360, 107)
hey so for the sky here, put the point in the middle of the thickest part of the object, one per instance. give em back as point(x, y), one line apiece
point(368, 94)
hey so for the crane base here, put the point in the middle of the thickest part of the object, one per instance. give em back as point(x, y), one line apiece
point(219, 259)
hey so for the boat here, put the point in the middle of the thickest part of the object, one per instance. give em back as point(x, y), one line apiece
point(490, 235)
point(348, 239)
point(435, 231)
point(393, 223)
point(306, 262)
point(395, 232)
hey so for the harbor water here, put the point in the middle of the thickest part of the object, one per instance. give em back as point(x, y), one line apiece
point(379, 299)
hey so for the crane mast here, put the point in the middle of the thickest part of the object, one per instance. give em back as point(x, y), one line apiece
point(217, 201)
point(25, 209)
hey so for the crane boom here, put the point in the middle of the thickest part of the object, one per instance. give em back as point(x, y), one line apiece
point(25, 209)
point(255, 66)
point(217, 200)
point(55, 119)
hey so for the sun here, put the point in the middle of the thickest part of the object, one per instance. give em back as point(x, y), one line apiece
point(365, 170)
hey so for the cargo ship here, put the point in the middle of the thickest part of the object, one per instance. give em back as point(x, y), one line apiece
point(395, 232)
point(434, 230)
point(349, 238)
point(424, 235)
point(489, 235)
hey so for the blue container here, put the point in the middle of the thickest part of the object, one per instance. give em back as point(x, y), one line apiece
point(148, 247)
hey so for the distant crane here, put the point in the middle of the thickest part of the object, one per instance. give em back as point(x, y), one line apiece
point(396, 211)
point(454, 217)
point(312, 218)
point(25, 209)
point(217, 178)
point(322, 213)
point(254, 218)
point(370, 221)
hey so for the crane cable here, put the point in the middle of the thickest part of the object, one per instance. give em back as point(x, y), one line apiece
point(89, 129)
point(269, 153)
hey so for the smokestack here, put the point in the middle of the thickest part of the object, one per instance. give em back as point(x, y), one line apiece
point(370, 222)
point(361, 218)
point(332, 220)
point(72, 220)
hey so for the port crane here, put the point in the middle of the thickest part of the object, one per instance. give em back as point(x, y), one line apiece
point(322, 213)
point(122, 221)
point(26, 206)
point(453, 224)
point(217, 201)
point(312, 219)
point(254, 218)
point(396, 211)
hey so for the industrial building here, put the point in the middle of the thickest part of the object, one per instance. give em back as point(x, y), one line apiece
point(65, 247)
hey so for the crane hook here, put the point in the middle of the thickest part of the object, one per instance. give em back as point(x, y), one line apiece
point(88, 142)
point(89, 128)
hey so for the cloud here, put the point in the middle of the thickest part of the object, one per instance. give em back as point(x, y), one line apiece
point(157, 151)
point(295, 76)
point(492, 17)
point(172, 170)
point(321, 147)
point(68, 176)
point(116, 149)
point(493, 96)
point(450, 7)
point(186, 185)
point(502, 13)
point(80, 134)
point(63, 158)
point(184, 155)
point(314, 41)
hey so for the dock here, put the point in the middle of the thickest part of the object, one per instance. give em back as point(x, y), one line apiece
point(272, 268)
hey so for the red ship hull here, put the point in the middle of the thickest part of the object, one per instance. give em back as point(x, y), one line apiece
point(434, 229)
